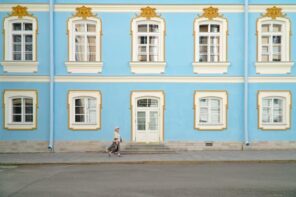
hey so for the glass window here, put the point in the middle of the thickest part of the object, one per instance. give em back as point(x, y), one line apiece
point(272, 110)
point(85, 110)
point(22, 110)
point(210, 110)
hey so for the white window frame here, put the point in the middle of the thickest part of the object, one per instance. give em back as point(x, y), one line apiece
point(7, 101)
point(284, 94)
point(72, 95)
point(208, 67)
point(74, 66)
point(223, 96)
point(274, 67)
point(148, 67)
point(155, 94)
point(25, 66)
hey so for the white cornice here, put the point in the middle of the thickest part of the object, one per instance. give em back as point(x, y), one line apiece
point(162, 8)
point(24, 79)
point(272, 79)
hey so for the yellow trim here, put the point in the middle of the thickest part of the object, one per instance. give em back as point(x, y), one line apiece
point(100, 111)
point(258, 110)
point(132, 116)
point(226, 108)
point(35, 117)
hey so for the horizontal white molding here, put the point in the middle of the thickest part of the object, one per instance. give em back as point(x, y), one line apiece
point(146, 79)
point(162, 8)
point(24, 79)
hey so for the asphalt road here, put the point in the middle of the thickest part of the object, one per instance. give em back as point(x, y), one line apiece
point(143, 180)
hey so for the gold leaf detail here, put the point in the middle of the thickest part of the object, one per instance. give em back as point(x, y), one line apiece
point(148, 12)
point(274, 12)
point(211, 13)
point(20, 11)
point(83, 12)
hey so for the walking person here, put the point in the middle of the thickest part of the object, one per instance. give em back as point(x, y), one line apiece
point(115, 146)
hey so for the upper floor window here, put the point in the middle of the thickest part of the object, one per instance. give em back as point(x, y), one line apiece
point(273, 43)
point(274, 109)
point(20, 41)
point(84, 31)
point(84, 110)
point(20, 109)
point(148, 32)
point(210, 38)
point(210, 110)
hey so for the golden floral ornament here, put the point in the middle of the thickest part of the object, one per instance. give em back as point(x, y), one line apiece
point(274, 12)
point(210, 13)
point(83, 12)
point(20, 11)
point(148, 12)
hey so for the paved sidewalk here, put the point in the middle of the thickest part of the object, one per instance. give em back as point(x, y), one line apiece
point(180, 157)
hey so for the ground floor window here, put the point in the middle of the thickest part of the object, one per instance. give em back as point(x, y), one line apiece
point(84, 110)
point(274, 110)
point(20, 108)
point(210, 110)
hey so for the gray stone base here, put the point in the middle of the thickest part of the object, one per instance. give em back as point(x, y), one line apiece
point(192, 146)
point(271, 145)
point(23, 146)
point(80, 146)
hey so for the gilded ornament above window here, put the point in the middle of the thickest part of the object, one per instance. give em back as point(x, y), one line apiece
point(211, 13)
point(83, 12)
point(20, 11)
point(148, 12)
point(274, 12)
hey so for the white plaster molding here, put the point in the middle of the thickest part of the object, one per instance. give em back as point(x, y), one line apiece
point(272, 79)
point(12, 78)
point(147, 67)
point(31, 7)
point(262, 8)
point(210, 68)
point(84, 67)
point(20, 66)
point(273, 67)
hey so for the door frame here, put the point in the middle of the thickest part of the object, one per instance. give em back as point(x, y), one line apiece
point(147, 93)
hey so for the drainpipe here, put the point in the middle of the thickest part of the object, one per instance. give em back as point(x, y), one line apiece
point(246, 85)
point(51, 84)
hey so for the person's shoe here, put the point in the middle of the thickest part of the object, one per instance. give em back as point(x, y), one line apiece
point(118, 154)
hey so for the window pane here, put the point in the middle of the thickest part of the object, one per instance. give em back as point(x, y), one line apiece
point(267, 102)
point(28, 47)
point(17, 118)
point(28, 102)
point(28, 38)
point(141, 121)
point(215, 40)
point(79, 102)
point(215, 103)
point(29, 56)
point(153, 40)
point(203, 115)
point(153, 50)
point(265, 50)
point(17, 102)
point(215, 28)
point(277, 49)
point(28, 26)
point(277, 28)
point(265, 58)
point(142, 40)
point(79, 48)
point(79, 118)
point(152, 103)
point(17, 38)
point(265, 28)
point(28, 118)
point(92, 117)
point(276, 58)
point(17, 47)
point(203, 102)
point(276, 39)
point(203, 28)
point(92, 103)
point(91, 27)
point(142, 58)
point(203, 49)
point(17, 26)
point(153, 28)
point(142, 49)
point(153, 124)
point(80, 28)
point(142, 28)
point(142, 103)
point(266, 115)
point(91, 48)
point(265, 40)
point(215, 50)
point(214, 58)
point(203, 58)
point(203, 40)
point(278, 103)
point(153, 58)
point(17, 56)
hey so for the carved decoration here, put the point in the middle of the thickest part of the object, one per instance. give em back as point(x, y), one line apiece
point(211, 13)
point(148, 12)
point(83, 12)
point(20, 11)
point(274, 12)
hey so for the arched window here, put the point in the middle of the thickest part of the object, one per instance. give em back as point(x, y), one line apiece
point(20, 41)
point(273, 43)
point(84, 31)
point(274, 109)
point(210, 43)
point(148, 50)
point(84, 110)
point(210, 110)
point(20, 109)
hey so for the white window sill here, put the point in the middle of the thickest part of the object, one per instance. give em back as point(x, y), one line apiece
point(273, 67)
point(210, 67)
point(84, 67)
point(76, 126)
point(211, 127)
point(147, 67)
point(274, 127)
point(20, 66)
point(17, 126)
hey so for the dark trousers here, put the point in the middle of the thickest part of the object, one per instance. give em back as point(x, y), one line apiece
point(114, 147)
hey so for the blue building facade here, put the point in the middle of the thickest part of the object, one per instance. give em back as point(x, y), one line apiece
point(192, 75)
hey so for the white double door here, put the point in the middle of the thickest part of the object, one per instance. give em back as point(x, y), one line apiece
point(148, 121)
